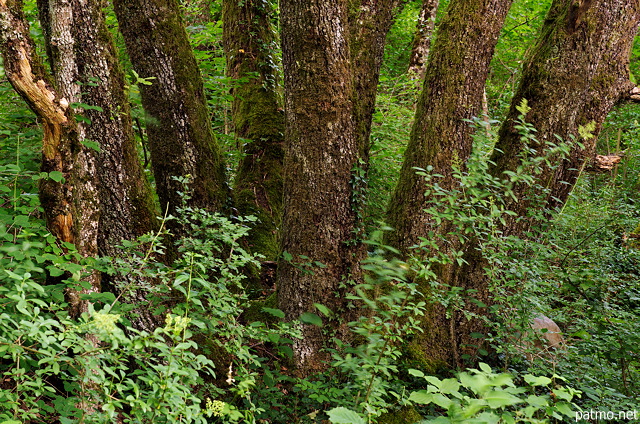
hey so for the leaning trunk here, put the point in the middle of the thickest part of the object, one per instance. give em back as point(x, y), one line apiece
point(574, 74)
point(179, 129)
point(452, 94)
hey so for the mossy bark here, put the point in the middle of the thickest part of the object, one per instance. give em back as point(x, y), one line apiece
point(369, 23)
point(573, 75)
point(452, 94)
point(258, 117)
point(422, 39)
point(332, 53)
point(121, 192)
point(321, 151)
point(178, 124)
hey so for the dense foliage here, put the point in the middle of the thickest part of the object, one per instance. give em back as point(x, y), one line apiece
point(221, 354)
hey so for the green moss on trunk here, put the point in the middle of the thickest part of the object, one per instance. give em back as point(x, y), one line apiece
point(258, 119)
point(178, 124)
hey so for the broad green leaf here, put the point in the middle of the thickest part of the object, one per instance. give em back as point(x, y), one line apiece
point(450, 386)
point(275, 312)
point(416, 373)
point(56, 176)
point(500, 399)
point(537, 381)
point(342, 415)
point(422, 397)
point(311, 318)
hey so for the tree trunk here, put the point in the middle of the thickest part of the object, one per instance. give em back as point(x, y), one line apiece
point(455, 77)
point(178, 124)
point(574, 74)
point(369, 23)
point(452, 93)
point(321, 152)
point(69, 196)
point(123, 196)
point(258, 118)
point(422, 39)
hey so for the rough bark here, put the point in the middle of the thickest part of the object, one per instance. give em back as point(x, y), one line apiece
point(369, 24)
point(452, 93)
point(122, 193)
point(453, 88)
point(574, 74)
point(422, 39)
point(70, 205)
point(258, 118)
point(321, 150)
point(178, 124)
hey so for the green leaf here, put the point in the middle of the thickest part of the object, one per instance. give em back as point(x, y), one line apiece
point(500, 399)
point(537, 381)
point(422, 397)
point(105, 297)
point(56, 176)
point(323, 309)
point(21, 221)
point(92, 145)
point(416, 373)
point(311, 318)
point(449, 386)
point(342, 415)
point(275, 312)
point(85, 106)
point(565, 409)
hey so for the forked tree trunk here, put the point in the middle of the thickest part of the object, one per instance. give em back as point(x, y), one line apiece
point(69, 197)
point(258, 118)
point(572, 77)
point(332, 52)
point(452, 93)
point(180, 138)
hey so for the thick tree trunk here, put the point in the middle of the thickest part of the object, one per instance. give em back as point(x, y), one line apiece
point(258, 118)
point(179, 128)
point(572, 77)
point(452, 93)
point(123, 195)
point(321, 151)
point(422, 38)
point(574, 74)
point(70, 197)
